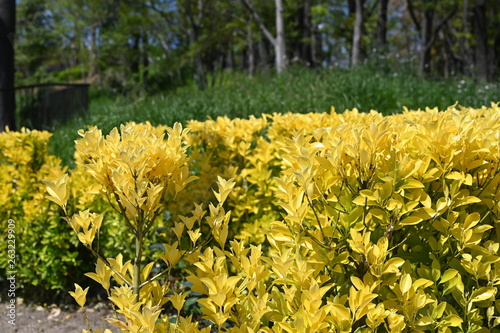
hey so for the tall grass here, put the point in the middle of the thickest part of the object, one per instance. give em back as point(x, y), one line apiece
point(297, 90)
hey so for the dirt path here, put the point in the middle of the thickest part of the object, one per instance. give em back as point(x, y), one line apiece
point(52, 319)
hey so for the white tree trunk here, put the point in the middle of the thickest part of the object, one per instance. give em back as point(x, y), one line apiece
point(356, 56)
point(279, 46)
point(279, 41)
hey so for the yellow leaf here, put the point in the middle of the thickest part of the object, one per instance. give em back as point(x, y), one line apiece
point(146, 271)
point(178, 300)
point(172, 254)
point(411, 184)
point(422, 283)
point(218, 298)
point(471, 220)
point(405, 283)
point(425, 320)
point(452, 320)
point(194, 235)
point(357, 282)
point(225, 187)
point(179, 227)
point(411, 220)
point(102, 275)
point(483, 294)
point(79, 295)
point(58, 191)
point(448, 275)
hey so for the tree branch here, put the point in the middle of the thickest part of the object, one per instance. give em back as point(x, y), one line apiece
point(440, 26)
point(370, 11)
point(200, 12)
point(166, 16)
point(411, 10)
point(257, 19)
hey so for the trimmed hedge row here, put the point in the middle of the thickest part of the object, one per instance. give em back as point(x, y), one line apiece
point(338, 222)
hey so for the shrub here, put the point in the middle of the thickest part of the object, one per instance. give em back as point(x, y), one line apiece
point(387, 223)
point(328, 222)
point(40, 235)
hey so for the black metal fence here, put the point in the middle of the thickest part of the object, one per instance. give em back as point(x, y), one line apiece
point(41, 105)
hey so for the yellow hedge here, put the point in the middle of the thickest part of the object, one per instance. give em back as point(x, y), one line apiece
point(40, 237)
point(329, 222)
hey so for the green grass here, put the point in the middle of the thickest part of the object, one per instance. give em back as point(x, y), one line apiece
point(297, 90)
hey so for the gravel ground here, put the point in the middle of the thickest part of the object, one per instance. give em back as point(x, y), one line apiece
point(52, 319)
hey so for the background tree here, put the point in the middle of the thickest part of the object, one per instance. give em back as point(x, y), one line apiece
point(277, 41)
point(481, 36)
point(381, 33)
point(153, 45)
point(357, 36)
point(425, 25)
point(7, 30)
point(36, 40)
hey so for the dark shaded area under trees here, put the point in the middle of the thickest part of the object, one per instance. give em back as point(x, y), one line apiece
point(125, 46)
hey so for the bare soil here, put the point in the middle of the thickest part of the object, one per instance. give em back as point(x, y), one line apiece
point(53, 319)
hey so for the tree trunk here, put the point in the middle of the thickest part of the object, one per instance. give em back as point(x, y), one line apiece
point(465, 51)
point(135, 55)
point(481, 36)
point(278, 42)
point(230, 60)
point(93, 71)
point(427, 26)
point(356, 56)
point(495, 49)
point(194, 35)
point(7, 95)
point(308, 37)
point(200, 76)
point(279, 46)
point(451, 59)
point(263, 62)
point(316, 45)
point(251, 52)
point(381, 34)
point(145, 61)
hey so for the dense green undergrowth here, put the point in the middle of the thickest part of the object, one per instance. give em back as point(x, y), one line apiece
point(298, 90)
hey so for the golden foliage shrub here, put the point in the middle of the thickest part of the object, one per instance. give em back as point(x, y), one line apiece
point(350, 222)
point(389, 224)
point(40, 235)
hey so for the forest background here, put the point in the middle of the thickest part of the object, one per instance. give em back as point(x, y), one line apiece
point(148, 52)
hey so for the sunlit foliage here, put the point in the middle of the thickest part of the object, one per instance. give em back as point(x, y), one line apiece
point(351, 222)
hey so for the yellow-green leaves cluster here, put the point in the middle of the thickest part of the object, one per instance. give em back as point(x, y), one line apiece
point(137, 168)
point(330, 222)
point(139, 171)
point(388, 223)
point(41, 237)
